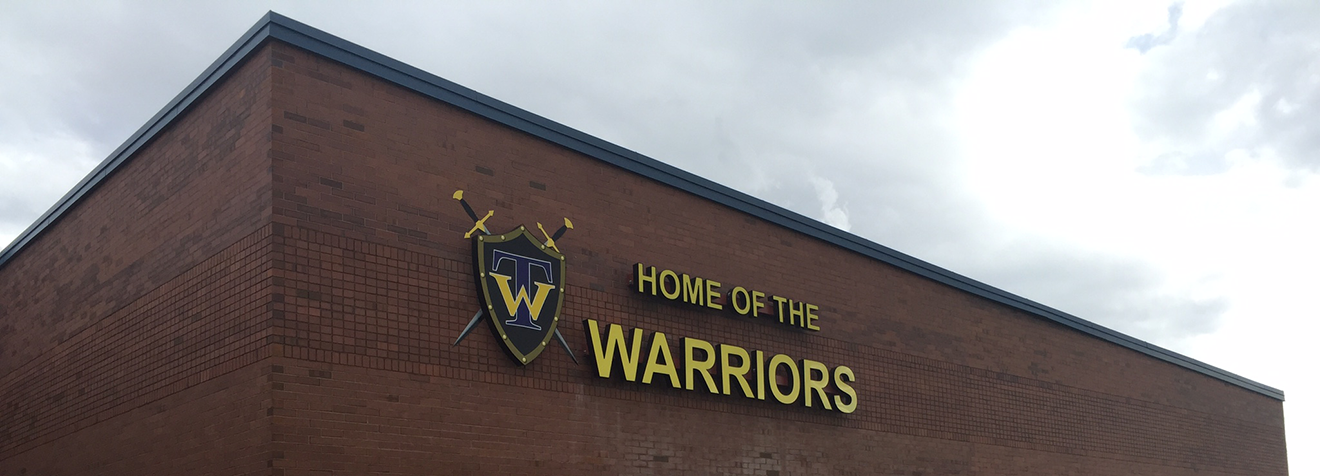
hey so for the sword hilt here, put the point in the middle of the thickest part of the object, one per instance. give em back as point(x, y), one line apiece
point(458, 195)
point(549, 241)
point(568, 225)
point(479, 225)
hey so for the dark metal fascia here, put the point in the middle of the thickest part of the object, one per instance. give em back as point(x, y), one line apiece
point(279, 27)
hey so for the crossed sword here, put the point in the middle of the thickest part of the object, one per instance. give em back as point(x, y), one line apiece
point(479, 224)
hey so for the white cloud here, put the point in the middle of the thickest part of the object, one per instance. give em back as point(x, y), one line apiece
point(833, 213)
point(34, 174)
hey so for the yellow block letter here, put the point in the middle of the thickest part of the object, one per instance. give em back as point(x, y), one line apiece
point(810, 383)
point(667, 277)
point(843, 375)
point(614, 350)
point(780, 301)
point(781, 360)
point(692, 365)
point(694, 291)
point(660, 351)
point(644, 276)
point(739, 373)
point(713, 294)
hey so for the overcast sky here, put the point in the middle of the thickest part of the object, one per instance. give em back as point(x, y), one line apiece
point(1150, 166)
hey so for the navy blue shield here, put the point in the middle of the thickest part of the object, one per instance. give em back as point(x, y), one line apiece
point(521, 284)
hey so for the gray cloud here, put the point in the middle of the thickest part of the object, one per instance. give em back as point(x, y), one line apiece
point(1246, 81)
point(1144, 43)
point(1118, 291)
point(771, 101)
point(100, 70)
point(76, 80)
point(1179, 163)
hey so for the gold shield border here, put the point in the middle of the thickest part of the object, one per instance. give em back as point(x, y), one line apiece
point(482, 240)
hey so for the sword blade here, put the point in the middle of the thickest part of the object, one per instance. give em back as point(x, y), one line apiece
point(468, 208)
point(473, 323)
point(565, 344)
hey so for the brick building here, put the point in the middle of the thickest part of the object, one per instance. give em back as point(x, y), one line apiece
point(270, 277)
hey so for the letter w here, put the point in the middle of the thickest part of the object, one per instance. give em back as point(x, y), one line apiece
point(514, 303)
point(615, 345)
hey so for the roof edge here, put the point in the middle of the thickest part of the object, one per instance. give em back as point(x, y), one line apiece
point(276, 26)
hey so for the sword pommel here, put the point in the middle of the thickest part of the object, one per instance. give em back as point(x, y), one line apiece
point(568, 225)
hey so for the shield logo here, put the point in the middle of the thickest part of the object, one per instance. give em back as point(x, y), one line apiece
point(521, 284)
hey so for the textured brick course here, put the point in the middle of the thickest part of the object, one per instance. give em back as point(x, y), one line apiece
point(219, 427)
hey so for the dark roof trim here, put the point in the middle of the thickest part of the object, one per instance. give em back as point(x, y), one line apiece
point(279, 27)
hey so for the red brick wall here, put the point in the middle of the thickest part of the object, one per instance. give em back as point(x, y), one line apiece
point(155, 283)
point(374, 284)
